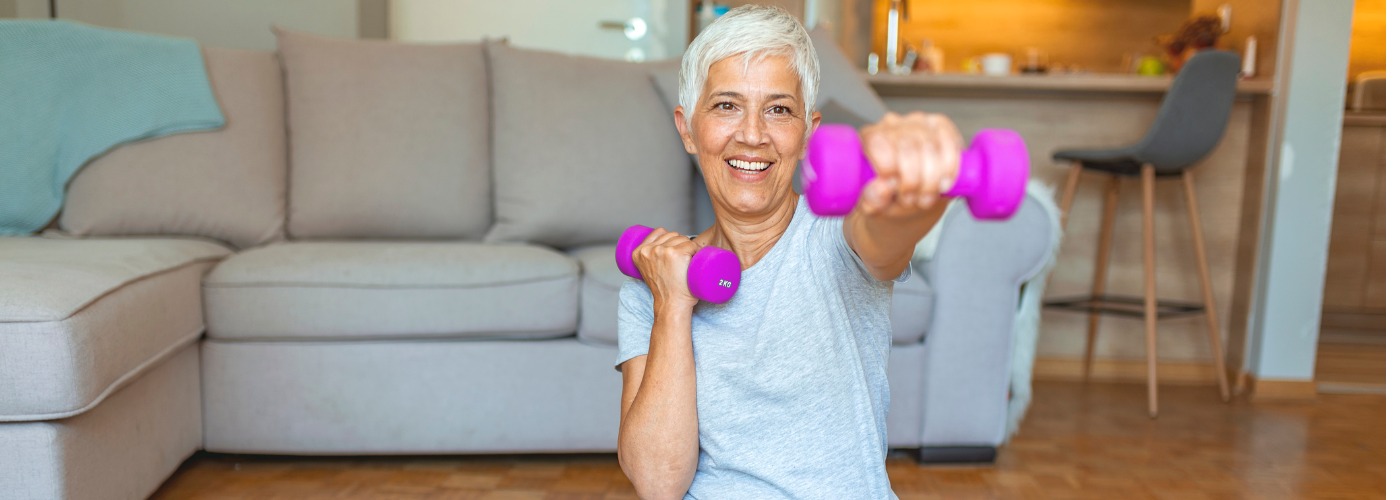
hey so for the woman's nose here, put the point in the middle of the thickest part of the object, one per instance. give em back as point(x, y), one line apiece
point(754, 130)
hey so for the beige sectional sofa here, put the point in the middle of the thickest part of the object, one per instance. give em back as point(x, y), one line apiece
point(396, 249)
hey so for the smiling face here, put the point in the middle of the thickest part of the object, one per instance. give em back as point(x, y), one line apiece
point(749, 132)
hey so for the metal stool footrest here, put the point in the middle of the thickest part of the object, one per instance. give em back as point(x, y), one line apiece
point(1124, 305)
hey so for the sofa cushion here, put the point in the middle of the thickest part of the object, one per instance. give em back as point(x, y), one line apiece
point(843, 82)
point(912, 308)
point(81, 318)
point(666, 78)
point(598, 294)
point(228, 184)
point(387, 139)
point(393, 290)
point(581, 150)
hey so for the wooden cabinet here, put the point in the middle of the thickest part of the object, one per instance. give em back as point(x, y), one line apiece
point(1356, 254)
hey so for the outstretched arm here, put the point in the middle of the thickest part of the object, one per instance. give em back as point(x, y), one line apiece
point(915, 158)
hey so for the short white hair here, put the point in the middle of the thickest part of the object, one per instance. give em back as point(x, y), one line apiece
point(752, 32)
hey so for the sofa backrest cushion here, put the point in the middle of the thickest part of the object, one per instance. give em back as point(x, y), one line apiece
point(582, 148)
point(388, 140)
point(229, 184)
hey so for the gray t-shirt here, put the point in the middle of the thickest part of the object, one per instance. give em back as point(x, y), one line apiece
point(791, 385)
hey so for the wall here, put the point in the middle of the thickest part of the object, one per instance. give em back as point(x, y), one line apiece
point(1299, 192)
point(1367, 37)
point(24, 9)
point(1096, 35)
point(568, 27)
point(243, 24)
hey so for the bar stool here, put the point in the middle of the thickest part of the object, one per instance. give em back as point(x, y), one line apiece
point(1188, 125)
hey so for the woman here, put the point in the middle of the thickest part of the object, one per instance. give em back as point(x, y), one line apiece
point(782, 391)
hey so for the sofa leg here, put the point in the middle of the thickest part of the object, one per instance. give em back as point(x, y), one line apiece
point(957, 455)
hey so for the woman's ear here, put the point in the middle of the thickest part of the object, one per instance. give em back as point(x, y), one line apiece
point(684, 129)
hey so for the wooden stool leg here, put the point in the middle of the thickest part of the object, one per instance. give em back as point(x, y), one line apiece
point(1149, 279)
point(1110, 208)
point(1208, 296)
point(1067, 197)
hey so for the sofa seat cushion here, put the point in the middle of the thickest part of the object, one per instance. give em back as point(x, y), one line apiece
point(911, 316)
point(912, 310)
point(79, 318)
point(598, 294)
point(366, 290)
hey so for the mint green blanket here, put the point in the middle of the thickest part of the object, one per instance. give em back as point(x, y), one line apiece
point(69, 92)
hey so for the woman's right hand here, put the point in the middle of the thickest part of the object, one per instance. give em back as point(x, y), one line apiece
point(663, 258)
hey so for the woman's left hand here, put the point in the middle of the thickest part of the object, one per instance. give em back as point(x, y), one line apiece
point(915, 158)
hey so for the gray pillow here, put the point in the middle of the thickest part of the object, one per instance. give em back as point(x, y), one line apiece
point(581, 149)
point(228, 184)
point(843, 82)
point(388, 140)
point(666, 77)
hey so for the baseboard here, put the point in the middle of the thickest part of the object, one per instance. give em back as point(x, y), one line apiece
point(957, 455)
point(1279, 389)
point(1125, 370)
point(1354, 320)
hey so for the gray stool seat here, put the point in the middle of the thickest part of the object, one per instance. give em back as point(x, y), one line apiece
point(1189, 124)
point(1118, 161)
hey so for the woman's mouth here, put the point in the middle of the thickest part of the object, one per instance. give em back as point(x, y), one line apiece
point(749, 166)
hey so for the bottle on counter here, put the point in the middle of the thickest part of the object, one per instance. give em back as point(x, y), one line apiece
point(930, 58)
point(1251, 51)
point(706, 12)
point(1034, 63)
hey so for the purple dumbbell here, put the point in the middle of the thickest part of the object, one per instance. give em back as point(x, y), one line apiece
point(992, 176)
point(713, 274)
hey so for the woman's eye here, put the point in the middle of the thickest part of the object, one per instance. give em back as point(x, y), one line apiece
point(725, 106)
point(782, 110)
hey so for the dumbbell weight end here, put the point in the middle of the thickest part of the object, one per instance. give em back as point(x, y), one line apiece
point(713, 274)
point(835, 187)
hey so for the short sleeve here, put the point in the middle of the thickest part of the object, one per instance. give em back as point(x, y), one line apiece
point(634, 321)
point(831, 233)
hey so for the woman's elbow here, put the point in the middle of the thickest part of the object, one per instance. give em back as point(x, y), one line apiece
point(657, 481)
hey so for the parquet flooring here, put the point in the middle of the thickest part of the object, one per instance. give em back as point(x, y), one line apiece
point(1351, 363)
point(1079, 441)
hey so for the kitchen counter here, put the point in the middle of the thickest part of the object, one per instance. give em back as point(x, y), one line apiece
point(1363, 119)
point(922, 84)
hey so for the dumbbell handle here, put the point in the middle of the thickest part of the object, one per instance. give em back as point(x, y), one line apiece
point(835, 187)
point(713, 274)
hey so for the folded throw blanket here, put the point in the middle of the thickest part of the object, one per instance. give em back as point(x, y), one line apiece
point(69, 92)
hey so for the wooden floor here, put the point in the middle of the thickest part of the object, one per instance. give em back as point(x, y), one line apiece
point(1078, 441)
point(1351, 363)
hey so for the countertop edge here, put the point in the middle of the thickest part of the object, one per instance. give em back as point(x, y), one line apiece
point(1051, 83)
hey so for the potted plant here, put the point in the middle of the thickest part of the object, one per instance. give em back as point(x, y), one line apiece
point(1199, 32)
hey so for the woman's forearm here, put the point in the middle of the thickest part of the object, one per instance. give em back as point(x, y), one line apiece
point(886, 244)
point(658, 444)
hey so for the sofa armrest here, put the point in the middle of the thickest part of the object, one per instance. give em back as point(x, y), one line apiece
point(977, 272)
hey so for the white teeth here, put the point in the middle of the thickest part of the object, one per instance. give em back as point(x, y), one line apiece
point(754, 166)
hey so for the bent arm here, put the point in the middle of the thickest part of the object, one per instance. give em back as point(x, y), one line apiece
point(658, 445)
